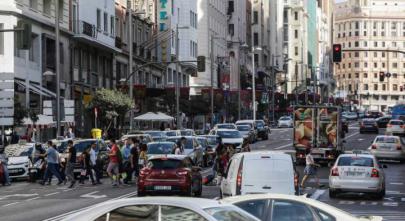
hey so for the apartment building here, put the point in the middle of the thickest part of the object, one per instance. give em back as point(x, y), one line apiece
point(372, 27)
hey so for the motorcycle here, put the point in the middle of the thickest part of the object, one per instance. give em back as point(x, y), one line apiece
point(36, 170)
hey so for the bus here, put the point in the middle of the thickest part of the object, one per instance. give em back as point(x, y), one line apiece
point(398, 111)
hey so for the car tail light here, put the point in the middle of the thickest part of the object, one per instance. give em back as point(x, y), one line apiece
point(373, 146)
point(389, 125)
point(334, 171)
point(374, 173)
point(144, 172)
point(403, 126)
point(399, 147)
point(182, 173)
point(361, 124)
point(239, 179)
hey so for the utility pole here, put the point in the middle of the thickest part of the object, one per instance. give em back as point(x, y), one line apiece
point(179, 123)
point(130, 62)
point(273, 88)
point(57, 47)
point(212, 80)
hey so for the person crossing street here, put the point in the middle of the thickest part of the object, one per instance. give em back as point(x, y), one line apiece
point(52, 167)
point(113, 165)
point(94, 163)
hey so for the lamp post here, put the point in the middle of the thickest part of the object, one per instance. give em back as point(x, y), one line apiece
point(57, 71)
point(213, 37)
point(254, 80)
point(177, 84)
point(243, 47)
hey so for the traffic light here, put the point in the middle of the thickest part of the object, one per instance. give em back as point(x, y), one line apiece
point(201, 63)
point(337, 53)
point(382, 76)
point(24, 35)
point(388, 74)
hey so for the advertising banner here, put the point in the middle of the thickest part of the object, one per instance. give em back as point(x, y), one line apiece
point(304, 131)
point(328, 127)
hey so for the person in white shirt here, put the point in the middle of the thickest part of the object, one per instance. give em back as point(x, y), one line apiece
point(93, 162)
point(310, 168)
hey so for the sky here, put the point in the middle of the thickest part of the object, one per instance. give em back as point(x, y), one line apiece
point(338, 1)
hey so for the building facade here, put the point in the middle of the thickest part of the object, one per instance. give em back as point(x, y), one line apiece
point(372, 27)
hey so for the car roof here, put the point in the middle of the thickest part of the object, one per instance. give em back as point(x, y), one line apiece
point(225, 124)
point(86, 140)
point(185, 202)
point(168, 156)
point(356, 155)
point(387, 136)
point(179, 137)
point(244, 121)
point(396, 120)
point(302, 199)
point(226, 130)
point(161, 142)
point(261, 153)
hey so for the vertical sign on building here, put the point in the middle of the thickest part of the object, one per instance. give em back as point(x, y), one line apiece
point(164, 15)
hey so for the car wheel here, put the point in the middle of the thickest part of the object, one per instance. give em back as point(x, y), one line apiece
point(332, 193)
point(380, 195)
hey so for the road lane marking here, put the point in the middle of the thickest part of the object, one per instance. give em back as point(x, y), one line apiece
point(27, 200)
point(317, 194)
point(50, 194)
point(351, 135)
point(396, 183)
point(92, 195)
point(284, 146)
point(366, 203)
point(10, 204)
point(19, 195)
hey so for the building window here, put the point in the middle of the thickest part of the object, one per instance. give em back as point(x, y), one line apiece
point(356, 44)
point(350, 76)
point(47, 7)
point(356, 25)
point(374, 33)
point(383, 44)
point(356, 54)
point(112, 24)
point(394, 25)
point(382, 25)
point(375, 54)
point(356, 64)
point(365, 87)
point(394, 75)
point(384, 87)
point(255, 17)
point(256, 39)
point(375, 65)
point(98, 20)
point(296, 17)
point(231, 30)
point(365, 75)
point(34, 4)
point(375, 25)
point(296, 34)
point(365, 54)
point(296, 51)
point(105, 22)
point(383, 33)
point(394, 87)
point(394, 44)
point(375, 75)
point(365, 33)
point(395, 65)
point(375, 44)
point(365, 24)
point(383, 54)
point(376, 87)
point(357, 75)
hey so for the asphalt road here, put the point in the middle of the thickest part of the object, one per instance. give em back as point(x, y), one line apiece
point(26, 201)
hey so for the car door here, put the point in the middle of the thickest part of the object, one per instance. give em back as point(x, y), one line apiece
point(288, 210)
point(257, 207)
point(226, 186)
point(132, 213)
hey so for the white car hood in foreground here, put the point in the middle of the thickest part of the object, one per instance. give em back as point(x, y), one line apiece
point(17, 160)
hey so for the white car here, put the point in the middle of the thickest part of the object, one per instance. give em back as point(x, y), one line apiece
point(396, 127)
point(350, 115)
point(285, 122)
point(357, 173)
point(260, 172)
point(278, 207)
point(225, 126)
point(162, 208)
point(388, 147)
point(229, 136)
point(18, 160)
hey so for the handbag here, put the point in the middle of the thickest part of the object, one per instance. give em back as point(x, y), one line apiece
point(83, 172)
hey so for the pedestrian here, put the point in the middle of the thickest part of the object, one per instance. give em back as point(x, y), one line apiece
point(3, 168)
point(86, 167)
point(94, 163)
point(181, 145)
point(126, 164)
point(70, 163)
point(113, 165)
point(134, 158)
point(70, 134)
point(52, 157)
point(143, 157)
point(310, 168)
point(245, 146)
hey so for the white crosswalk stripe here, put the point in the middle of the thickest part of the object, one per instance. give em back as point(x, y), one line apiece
point(387, 215)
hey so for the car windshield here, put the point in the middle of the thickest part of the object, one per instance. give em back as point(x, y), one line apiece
point(369, 122)
point(155, 133)
point(171, 133)
point(285, 118)
point(227, 214)
point(203, 142)
point(160, 148)
point(225, 126)
point(356, 161)
point(244, 127)
point(229, 134)
point(161, 164)
point(186, 133)
point(83, 145)
point(396, 122)
point(189, 142)
point(386, 140)
point(212, 140)
point(259, 124)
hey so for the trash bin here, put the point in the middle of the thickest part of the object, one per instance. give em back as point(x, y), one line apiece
point(96, 133)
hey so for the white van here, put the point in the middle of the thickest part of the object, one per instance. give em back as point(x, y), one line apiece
point(260, 172)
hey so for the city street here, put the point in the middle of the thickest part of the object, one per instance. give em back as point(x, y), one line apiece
point(55, 202)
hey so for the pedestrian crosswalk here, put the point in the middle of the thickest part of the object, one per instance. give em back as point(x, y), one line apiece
point(387, 215)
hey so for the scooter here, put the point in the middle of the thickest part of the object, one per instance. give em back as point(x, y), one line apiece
point(36, 170)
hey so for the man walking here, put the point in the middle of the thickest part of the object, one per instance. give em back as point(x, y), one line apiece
point(134, 158)
point(52, 166)
point(113, 165)
point(93, 162)
point(126, 153)
point(70, 162)
point(3, 164)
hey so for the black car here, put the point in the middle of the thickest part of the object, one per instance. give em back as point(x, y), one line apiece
point(262, 130)
point(383, 121)
point(368, 125)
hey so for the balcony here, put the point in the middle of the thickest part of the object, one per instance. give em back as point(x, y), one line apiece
point(84, 28)
point(118, 42)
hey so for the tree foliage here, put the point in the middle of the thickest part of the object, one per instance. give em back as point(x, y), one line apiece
point(110, 104)
point(20, 112)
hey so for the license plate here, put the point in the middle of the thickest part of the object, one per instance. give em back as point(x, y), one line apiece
point(353, 173)
point(14, 171)
point(163, 187)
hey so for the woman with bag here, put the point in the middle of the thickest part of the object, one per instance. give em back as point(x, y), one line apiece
point(86, 167)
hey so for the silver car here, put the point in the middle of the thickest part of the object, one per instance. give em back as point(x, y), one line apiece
point(285, 122)
point(357, 173)
point(388, 147)
point(395, 127)
point(162, 208)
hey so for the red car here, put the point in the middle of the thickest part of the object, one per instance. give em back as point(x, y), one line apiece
point(170, 174)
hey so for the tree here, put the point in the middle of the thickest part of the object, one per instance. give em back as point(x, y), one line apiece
point(110, 104)
point(20, 112)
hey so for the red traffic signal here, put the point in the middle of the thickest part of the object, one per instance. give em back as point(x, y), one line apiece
point(337, 53)
point(382, 76)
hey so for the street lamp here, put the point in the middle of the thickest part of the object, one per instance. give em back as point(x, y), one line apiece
point(177, 84)
point(254, 80)
point(213, 37)
point(244, 47)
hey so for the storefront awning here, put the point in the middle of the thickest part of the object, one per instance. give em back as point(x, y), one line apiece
point(36, 89)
